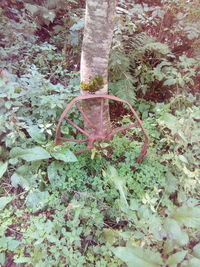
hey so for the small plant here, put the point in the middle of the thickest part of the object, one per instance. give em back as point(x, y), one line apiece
point(93, 85)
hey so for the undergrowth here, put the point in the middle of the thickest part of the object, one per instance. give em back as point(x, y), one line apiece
point(100, 208)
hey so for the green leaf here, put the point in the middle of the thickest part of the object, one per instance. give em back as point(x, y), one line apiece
point(118, 181)
point(3, 168)
point(194, 262)
point(136, 256)
point(4, 201)
point(169, 81)
point(175, 233)
point(2, 258)
point(18, 180)
point(13, 244)
point(61, 153)
point(78, 25)
point(168, 246)
point(49, 15)
point(23, 260)
point(32, 8)
point(30, 154)
point(74, 37)
point(110, 235)
point(196, 251)
point(170, 121)
point(134, 204)
point(3, 242)
point(36, 199)
point(128, 93)
point(23, 177)
point(183, 158)
point(187, 216)
point(176, 258)
point(36, 134)
point(171, 183)
point(54, 171)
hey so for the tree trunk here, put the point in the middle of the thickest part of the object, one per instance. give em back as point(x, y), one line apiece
point(98, 32)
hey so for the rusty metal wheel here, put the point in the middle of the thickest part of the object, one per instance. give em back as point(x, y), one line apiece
point(97, 133)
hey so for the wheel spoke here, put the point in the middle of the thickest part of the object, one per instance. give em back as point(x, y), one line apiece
point(122, 129)
point(101, 114)
point(77, 127)
point(85, 117)
point(73, 140)
point(89, 147)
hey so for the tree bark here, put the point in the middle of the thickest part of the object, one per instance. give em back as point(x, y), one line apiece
point(98, 32)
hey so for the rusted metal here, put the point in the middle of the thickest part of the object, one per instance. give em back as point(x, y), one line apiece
point(98, 134)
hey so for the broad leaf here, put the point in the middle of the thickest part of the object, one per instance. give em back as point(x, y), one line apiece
point(174, 232)
point(61, 153)
point(168, 247)
point(110, 235)
point(13, 244)
point(30, 154)
point(54, 171)
point(3, 242)
point(119, 182)
point(20, 180)
point(183, 158)
point(196, 251)
point(171, 183)
point(74, 37)
point(2, 258)
point(176, 258)
point(194, 262)
point(36, 199)
point(187, 216)
point(171, 122)
point(169, 81)
point(49, 16)
point(78, 25)
point(36, 134)
point(32, 8)
point(23, 260)
point(136, 256)
point(134, 204)
point(23, 177)
point(3, 168)
point(4, 201)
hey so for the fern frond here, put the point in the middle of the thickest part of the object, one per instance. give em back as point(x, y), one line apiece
point(157, 48)
point(140, 40)
point(124, 88)
point(119, 63)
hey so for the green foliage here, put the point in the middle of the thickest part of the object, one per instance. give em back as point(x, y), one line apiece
point(153, 50)
point(30, 101)
point(31, 154)
point(16, 38)
point(3, 168)
point(121, 81)
point(138, 256)
point(99, 208)
point(100, 211)
point(4, 201)
point(29, 24)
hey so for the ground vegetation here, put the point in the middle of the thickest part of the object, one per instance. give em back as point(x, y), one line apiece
point(100, 208)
